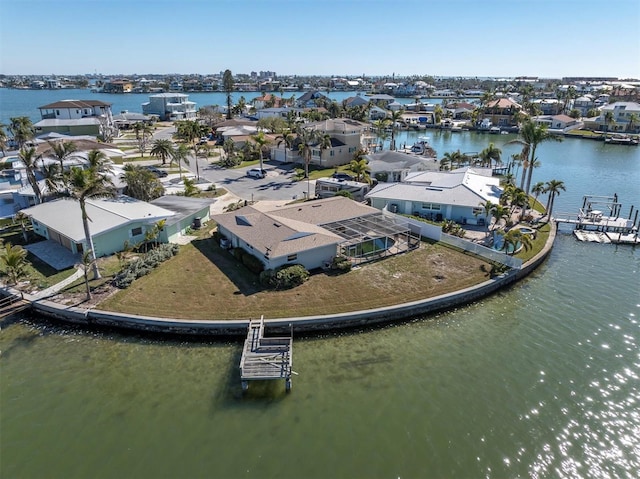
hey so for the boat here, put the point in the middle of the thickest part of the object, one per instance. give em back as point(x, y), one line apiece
point(621, 140)
point(495, 130)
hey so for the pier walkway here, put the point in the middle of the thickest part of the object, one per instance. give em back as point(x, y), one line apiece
point(265, 358)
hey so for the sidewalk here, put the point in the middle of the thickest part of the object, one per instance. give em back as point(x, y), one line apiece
point(50, 291)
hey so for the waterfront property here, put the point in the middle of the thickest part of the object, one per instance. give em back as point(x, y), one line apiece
point(345, 136)
point(75, 117)
point(113, 222)
point(394, 166)
point(265, 358)
point(502, 112)
point(314, 233)
point(170, 106)
point(454, 195)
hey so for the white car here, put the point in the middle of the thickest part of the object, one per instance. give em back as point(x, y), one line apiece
point(256, 173)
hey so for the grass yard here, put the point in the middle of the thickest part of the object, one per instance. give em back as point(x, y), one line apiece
point(537, 244)
point(205, 282)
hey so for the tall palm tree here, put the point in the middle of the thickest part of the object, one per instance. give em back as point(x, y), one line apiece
point(29, 159)
point(52, 177)
point(180, 153)
point(62, 151)
point(307, 138)
point(531, 136)
point(287, 139)
point(553, 188)
point(85, 184)
point(141, 183)
point(515, 238)
point(3, 139)
point(143, 134)
point(261, 141)
point(227, 85)
point(324, 143)
point(395, 118)
point(609, 119)
point(499, 212)
point(537, 190)
point(633, 121)
point(162, 149)
point(21, 128)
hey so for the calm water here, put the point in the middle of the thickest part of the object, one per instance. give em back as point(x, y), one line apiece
point(541, 380)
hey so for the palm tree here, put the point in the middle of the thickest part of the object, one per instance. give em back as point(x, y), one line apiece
point(143, 133)
point(3, 139)
point(499, 212)
point(52, 177)
point(85, 184)
point(455, 158)
point(287, 139)
point(395, 117)
point(537, 190)
point(86, 264)
point(141, 183)
point(609, 119)
point(531, 136)
point(179, 154)
point(307, 138)
point(14, 262)
point(491, 153)
point(553, 188)
point(62, 151)
point(29, 159)
point(21, 128)
point(227, 84)
point(361, 168)
point(633, 120)
point(260, 140)
point(324, 143)
point(515, 238)
point(162, 149)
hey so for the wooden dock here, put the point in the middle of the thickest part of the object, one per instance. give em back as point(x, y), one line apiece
point(11, 305)
point(265, 358)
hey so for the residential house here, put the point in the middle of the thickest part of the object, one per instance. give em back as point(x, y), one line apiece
point(394, 166)
point(76, 117)
point(346, 139)
point(501, 112)
point(308, 99)
point(170, 106)
point(118, 86)
point(189, 212)
point(113, 221)
point(355, 101)
point(268, 100)
point(626, 117)
point(454, 195)
point(549, 106)
point(557, 122)
point(314, 233)
point(583, 104)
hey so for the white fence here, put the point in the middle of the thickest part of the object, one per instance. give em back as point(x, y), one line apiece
point(435, 233)
point(488, 253)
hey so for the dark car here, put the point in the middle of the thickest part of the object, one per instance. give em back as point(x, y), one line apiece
point(156, 171)
point(342, 176)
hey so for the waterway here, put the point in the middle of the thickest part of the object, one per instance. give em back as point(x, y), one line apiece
point(540, 380)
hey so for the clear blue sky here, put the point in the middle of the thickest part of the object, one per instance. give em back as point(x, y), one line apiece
point(548, 38)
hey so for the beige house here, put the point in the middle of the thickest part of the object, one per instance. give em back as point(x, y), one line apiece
point(346, 139)
point(502, 112)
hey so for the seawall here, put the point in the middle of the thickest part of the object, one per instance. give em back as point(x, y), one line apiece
point(306, 324)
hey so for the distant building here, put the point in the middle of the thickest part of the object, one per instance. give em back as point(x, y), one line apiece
point(170, 106)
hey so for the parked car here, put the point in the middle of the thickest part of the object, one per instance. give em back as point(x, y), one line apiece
point(156, 171)
point(343, 176)
point(256, 173)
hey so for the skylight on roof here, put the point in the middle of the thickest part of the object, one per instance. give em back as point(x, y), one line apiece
point(298, 235)
point(243, 220)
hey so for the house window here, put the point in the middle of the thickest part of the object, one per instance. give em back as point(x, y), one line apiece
point(292, 257)
point(332, 153)
point(136, 231)
point(57, 112)
point(435, 207)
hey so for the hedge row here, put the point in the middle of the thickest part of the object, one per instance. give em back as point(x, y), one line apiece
point(144, 264)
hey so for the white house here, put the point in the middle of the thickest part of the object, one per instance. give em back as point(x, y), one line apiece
point(170, 106)
point(626, 117)
point(394, 166)
point(76, 117)
point(557, 122)
point(454, 195)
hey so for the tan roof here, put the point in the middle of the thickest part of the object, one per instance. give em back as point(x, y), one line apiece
point(502, 103)
point(283, 230)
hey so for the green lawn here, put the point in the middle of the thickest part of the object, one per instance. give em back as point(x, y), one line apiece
point(538, 243)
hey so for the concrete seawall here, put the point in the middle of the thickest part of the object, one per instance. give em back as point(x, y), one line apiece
point(318, 323)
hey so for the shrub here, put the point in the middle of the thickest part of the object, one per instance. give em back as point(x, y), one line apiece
point(144, 265)
point(382, 177)
point(252, 263)
point(341, 264)
point(285, 277)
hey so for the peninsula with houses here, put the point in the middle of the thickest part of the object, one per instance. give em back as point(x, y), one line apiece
point(100, 202)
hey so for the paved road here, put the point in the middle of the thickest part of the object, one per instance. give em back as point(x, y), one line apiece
point(279, 183)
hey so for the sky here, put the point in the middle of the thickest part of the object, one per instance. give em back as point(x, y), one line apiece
point(489, 38)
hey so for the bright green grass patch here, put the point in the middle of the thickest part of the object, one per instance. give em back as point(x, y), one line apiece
point(537, 243)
